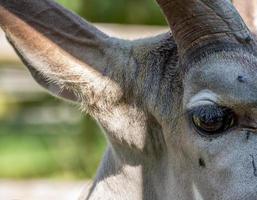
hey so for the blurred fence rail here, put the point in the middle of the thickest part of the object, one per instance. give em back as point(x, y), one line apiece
point(248, 11)
point(41, 190)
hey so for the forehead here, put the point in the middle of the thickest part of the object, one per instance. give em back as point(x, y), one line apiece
point(229, 78)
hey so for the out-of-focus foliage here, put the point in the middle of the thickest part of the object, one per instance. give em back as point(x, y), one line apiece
point(74, 5)
point(118, 11)
point(51, 151)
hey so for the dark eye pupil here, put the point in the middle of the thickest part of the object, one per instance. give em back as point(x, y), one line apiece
point(210, 125)
point(211, 121)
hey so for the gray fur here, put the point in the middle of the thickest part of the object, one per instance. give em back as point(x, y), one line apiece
point(139, 93)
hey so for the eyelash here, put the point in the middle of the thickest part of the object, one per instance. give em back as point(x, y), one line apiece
point(208, 111)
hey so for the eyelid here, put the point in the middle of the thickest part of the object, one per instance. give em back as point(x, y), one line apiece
point(195, 109)
point(209, 111)
point(204, 97)
point(200, 103)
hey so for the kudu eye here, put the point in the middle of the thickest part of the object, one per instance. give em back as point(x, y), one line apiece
point(211, 120)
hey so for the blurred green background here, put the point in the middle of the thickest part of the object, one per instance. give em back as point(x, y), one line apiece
point(44, 137)
point(117, 11)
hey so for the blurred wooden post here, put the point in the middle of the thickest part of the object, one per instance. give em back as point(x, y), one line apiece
point(248, 10)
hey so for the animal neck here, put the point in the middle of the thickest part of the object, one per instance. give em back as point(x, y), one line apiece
point(139, 179)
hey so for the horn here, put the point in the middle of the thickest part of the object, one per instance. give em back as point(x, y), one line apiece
point(197, 23)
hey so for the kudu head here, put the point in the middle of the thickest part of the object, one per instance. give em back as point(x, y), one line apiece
point(215, 140)
point(180, 111)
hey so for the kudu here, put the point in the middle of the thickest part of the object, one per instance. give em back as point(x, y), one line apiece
point(179, 112)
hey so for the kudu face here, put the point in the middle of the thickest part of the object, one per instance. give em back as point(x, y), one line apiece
point(215, 131)
point(180, 113)
point(217, 134)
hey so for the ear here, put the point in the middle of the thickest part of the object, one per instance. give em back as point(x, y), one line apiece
point(115, 80)
point(64, 53)
point(53, 87)
point(76, 61)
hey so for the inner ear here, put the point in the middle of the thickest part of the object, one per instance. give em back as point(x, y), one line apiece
point(53, 87)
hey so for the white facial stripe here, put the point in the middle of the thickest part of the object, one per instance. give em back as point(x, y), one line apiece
point(204, 97)
point(197, 195)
